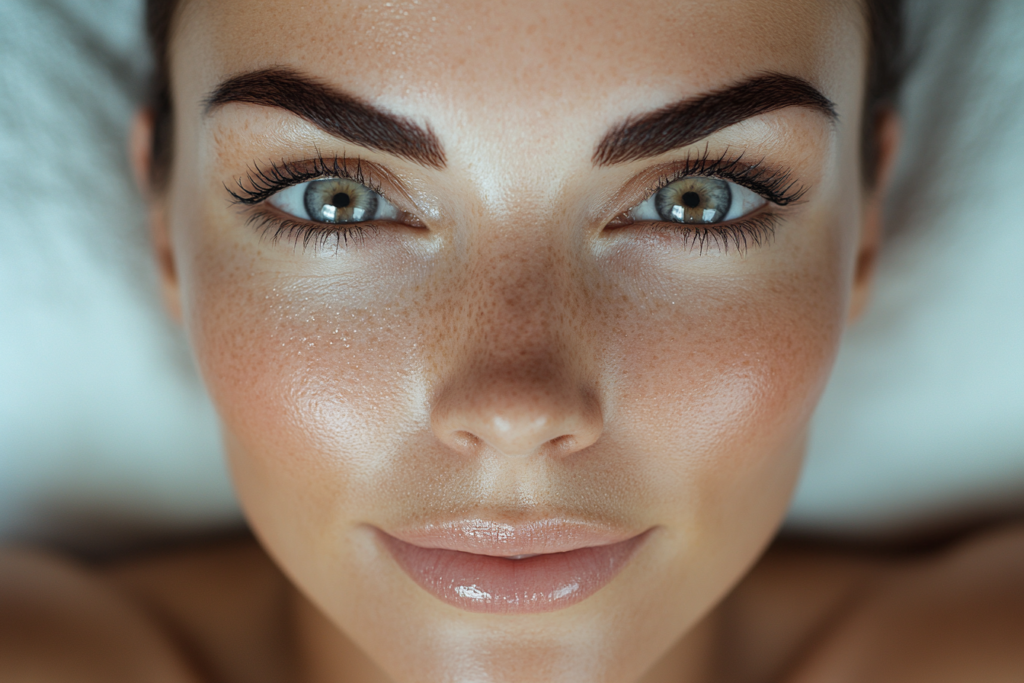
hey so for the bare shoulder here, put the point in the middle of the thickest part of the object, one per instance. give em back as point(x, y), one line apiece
point(796, 591)
point(60, 621)
point(227, 604)
point(954, 615)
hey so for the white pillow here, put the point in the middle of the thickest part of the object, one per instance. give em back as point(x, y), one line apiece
point(922, 426)
point(107, 438)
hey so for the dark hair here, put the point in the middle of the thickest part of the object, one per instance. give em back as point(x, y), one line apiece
point(159, 17)
point(886, 65)
point(885, 71)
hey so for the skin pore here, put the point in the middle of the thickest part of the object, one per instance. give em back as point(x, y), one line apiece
point(514, 351)
point(516, 342)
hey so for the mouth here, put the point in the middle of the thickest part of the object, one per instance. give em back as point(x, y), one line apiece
point(488, 567)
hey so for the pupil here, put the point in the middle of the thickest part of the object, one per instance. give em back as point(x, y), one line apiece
point(691, 199)
point(341, 200)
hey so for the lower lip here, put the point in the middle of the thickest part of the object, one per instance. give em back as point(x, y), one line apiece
point(483, 583)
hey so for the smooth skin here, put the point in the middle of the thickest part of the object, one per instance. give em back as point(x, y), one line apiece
point(515, 352)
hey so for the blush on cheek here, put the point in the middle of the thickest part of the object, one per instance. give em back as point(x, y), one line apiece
point(729, 379)
point(307, 388)
point(714, 403)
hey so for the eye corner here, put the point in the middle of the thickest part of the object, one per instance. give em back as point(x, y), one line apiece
point(620, 220)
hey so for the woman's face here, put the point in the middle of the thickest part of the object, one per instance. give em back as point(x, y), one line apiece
point(568, 322)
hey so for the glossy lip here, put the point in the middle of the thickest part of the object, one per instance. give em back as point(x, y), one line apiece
point(493, 567)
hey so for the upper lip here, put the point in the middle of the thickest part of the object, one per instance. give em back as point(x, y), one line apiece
point(505, 539)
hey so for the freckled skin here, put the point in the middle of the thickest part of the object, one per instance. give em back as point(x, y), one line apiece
point(639, 382)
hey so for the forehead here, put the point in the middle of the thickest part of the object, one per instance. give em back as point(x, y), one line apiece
point(508, 57)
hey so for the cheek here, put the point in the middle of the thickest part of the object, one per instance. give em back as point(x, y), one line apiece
point(716, 377)
point(714, 380)
point(315, 396)
point(732, 369)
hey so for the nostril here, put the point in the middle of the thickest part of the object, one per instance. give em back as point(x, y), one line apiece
point(561, 444)
point(515, 418)
point(466, 440)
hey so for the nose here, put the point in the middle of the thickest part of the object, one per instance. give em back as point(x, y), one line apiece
point(519, 409)
point(518, 376)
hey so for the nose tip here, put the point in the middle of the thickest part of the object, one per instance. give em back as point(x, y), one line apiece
point(561, 427)
point(526, 434)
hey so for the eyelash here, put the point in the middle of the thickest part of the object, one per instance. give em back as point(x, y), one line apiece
point(263, 183)
point(773, 184)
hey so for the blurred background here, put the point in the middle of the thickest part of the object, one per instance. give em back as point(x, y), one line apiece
point(108, 441)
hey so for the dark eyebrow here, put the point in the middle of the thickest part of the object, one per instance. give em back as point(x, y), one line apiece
point(685, 122)
point(333, 111)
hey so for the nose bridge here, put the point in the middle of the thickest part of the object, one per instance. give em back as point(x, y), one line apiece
point(518, 384)
point(527, 304)
point(522, 297)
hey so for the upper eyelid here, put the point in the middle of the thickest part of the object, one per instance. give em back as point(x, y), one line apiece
point(266, 181)
point(771, 183)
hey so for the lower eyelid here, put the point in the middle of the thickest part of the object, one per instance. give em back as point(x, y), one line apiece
point(308, 234)
point(754, 231)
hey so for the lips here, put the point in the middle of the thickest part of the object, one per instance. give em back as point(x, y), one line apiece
point(512, 569)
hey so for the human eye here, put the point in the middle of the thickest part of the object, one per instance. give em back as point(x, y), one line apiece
point(333, 201)
point(710, 203)
point(698, 200)
point(317, 203)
